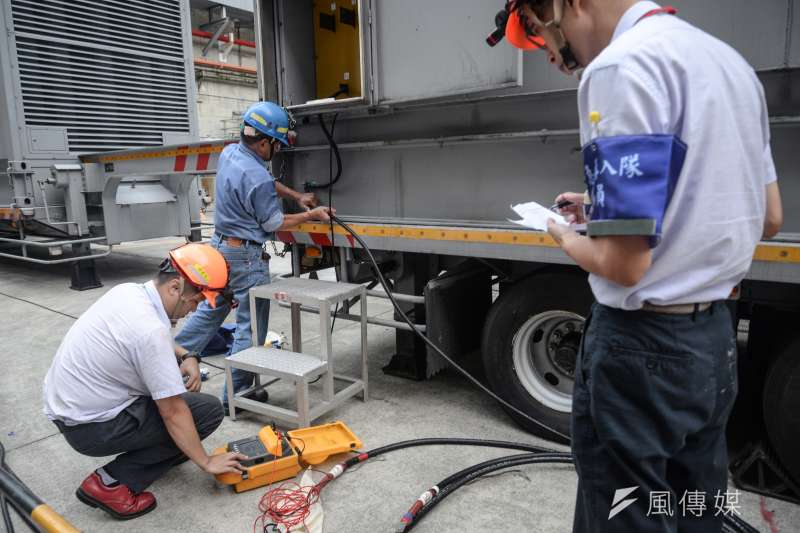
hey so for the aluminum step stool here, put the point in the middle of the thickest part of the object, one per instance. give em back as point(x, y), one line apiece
point(299, 368)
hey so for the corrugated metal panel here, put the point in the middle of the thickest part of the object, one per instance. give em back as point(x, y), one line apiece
point(112, 72)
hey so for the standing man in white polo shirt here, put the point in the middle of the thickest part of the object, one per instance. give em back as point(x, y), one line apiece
point(115, 385)
point(681, 187)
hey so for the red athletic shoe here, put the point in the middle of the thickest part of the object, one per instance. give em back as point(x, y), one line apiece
point(118, 501)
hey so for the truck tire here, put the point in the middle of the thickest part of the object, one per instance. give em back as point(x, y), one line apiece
point(782, 407)
point(530, 342)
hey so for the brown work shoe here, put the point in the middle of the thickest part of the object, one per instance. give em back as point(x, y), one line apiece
point(119, 501)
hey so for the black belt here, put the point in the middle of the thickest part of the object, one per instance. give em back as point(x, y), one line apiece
point(678, 309)
point(243, 241)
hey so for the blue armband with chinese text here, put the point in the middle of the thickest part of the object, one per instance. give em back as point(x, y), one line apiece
point(630, 180)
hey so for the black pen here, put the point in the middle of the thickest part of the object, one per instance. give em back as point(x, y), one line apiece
point(560, 205)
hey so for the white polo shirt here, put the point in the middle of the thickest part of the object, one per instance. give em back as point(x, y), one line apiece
point(118, 350)
point(681, 154)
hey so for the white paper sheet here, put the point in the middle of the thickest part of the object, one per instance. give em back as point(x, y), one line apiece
point(535, 216)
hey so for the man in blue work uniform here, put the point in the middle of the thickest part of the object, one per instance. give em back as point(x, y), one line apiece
point(681, 188)
point(248, 211)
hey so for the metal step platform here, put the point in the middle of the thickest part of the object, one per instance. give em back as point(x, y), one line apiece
point(297, 367)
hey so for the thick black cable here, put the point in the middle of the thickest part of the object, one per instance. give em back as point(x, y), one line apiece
point(451, 479)
point(330, 203)
point(22, 515)
point(362, 457)
point(335, 148)
point(732, 523)
point(3, 501)
point(488, 468)
point(437, 441)
point(430, 343)
point(22, 491)
point(738, 524)
point(5, 465)
point(6, 515)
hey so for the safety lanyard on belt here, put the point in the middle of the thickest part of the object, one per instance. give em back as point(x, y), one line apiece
point(666, 10)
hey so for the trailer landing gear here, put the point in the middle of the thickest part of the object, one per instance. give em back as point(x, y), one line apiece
point(84, 272)
point(410, 360)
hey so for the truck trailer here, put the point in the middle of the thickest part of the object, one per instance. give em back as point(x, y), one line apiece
point(82, 77)
point(422, 136)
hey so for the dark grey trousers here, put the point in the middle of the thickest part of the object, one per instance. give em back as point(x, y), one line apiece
point(652, 397)
point(139, 435)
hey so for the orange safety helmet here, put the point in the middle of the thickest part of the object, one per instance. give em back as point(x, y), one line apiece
point(202, 266)
point(518, 34)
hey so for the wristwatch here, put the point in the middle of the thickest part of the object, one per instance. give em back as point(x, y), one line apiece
point(187, 355)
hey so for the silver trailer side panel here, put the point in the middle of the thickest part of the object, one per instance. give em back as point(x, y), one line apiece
point(794, 41)
point(90, 76)
point(757, 30)
point(454, 134)
point(428, 49)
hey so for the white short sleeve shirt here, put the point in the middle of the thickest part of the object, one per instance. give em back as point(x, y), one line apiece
point(681, 154)
point(120, 349)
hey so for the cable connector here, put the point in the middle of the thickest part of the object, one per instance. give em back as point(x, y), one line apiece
point(421, 502)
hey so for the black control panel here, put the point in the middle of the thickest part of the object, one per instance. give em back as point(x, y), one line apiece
point(255, 450)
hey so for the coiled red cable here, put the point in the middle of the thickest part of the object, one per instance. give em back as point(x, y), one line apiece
point(287, 505)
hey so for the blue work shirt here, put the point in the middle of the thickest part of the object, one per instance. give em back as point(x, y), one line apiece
point(247, 204)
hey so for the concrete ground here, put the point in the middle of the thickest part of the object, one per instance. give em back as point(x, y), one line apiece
point(38, 309)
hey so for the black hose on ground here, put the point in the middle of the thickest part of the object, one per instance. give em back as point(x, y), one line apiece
point(410, 520)
point(342, 467)
point(738, 524)
point(459, 442)
point(732, 523)
point(15, 495)
point(6, 514)
point(4, 510)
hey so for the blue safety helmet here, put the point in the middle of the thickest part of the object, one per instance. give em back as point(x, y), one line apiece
point(271, 120)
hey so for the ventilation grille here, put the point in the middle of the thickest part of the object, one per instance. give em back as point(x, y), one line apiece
point(112, 72)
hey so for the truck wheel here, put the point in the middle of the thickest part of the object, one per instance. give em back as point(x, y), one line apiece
point(782, 407)
point(530, 344)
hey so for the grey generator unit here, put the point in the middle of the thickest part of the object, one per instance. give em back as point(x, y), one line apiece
point(81, 77)
point(438, 134)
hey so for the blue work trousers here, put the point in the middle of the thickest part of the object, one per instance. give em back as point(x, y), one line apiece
point(652, 396)
point(249, 267)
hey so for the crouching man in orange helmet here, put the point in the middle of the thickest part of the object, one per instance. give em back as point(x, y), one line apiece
point(118, 384)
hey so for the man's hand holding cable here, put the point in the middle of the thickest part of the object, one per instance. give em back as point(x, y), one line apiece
point(321, 213)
